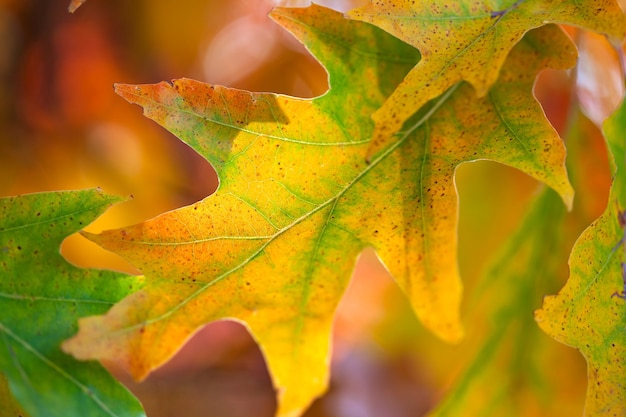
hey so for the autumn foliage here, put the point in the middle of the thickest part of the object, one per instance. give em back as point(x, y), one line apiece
point(514, 270)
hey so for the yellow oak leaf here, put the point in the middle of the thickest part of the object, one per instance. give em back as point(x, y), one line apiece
point(274, 247)
point(467, 40)
point(41, 298)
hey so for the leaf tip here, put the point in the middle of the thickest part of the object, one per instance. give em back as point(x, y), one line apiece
point(126, 91)
point(93, 237)
point(450, 331)
point(454, 334)
point(568, 199)
point(84, 344)
point(564, 189)
point(75, 4)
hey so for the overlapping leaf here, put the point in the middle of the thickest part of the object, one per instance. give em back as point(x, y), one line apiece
point(513, 366)
point(467, 40)
point(589, 313)
point(298, 201)
point(502, 376)
point(41, 299)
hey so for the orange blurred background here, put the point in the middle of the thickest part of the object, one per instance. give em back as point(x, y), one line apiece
point(62, 127)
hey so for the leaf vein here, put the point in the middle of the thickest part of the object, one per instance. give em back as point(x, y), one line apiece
point(55, 299)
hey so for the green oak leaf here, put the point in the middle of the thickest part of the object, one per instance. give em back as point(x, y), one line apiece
point(589, 312)
point(41, 298)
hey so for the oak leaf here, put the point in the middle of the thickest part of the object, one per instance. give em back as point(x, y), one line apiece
point(467, 40)
point(41, 298)
point(274, 247)
point(589, 312)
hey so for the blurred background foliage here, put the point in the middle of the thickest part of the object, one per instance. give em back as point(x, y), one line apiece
point(62, 127)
